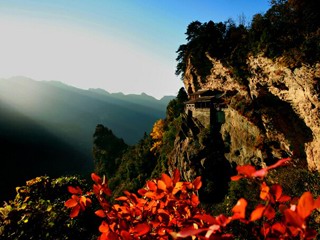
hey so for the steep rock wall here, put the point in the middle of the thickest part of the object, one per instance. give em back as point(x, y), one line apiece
point(199, 151)
point(275, 113)
point(300, 89)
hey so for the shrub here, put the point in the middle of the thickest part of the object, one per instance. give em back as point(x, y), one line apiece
point(169, 209)
point(38, 212)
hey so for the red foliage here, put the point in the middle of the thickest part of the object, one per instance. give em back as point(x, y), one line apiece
point(168, 208)
point(248, 171)
point(77, 202)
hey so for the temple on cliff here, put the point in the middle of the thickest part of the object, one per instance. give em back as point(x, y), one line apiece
point(206, 106)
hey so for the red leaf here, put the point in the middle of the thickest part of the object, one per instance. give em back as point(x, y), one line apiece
point(191, 231)
point(236, 178)
point(282, 208)
point(197, 183)
point(317, 203)
point(246, 170)
point(112, 236)
point(176, 176)
point(166, 179)
point(279, 227)
point(85, 201)
point(122, 198)
point(74, 190)
point(178, 186)
point(96, 178)
point(100, 213)
point(281, 162)
point(141, 229)
point(212, 229)
point(293, 219)
point(284, 198)
point(260, 173)
point(162, 185)
point(125, 235)
point(265, 229)
point(195, 200)
point(106, 190)
point(104, 227)
point(75, 211)
point(71, 203)
point(239, 210)
point(142, 191)
point(206, 218)
point(269, 213)
point(264, 193)
point(305, 205)
point(152, 186)
point(103, 236)
point(127, 193)
point(151, 195)
point(276, 190)
point(294, 231)
point(222, 220)
point(257, 213)
point(161, 231)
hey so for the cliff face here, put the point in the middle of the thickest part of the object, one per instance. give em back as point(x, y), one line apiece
point(199, 151)
point(275, 113)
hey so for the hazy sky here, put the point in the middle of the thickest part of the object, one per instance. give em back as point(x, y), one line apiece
point(118, 45)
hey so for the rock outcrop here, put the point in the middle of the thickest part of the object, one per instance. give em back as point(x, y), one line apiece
point(199, 151)
point(273, 113)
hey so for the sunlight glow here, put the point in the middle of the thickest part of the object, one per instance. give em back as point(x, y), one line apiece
point(80, 58)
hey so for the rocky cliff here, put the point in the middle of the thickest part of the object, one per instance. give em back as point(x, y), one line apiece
point(274, 113)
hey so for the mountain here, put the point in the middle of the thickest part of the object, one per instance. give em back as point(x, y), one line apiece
point(254, 98)
point(47, 127)
point(265, 101)
point(29, 150)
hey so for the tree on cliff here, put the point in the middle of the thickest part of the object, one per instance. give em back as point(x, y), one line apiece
point(107, 150)
point(219, 40)
point(289, 29)
point(176, 106)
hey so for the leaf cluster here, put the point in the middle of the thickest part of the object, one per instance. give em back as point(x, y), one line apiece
point(38, 212)
point(107, 150)
point(128, 167)
point(169, 208)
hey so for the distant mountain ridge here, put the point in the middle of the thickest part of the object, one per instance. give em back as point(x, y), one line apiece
point(54, 102)
point(50, 125)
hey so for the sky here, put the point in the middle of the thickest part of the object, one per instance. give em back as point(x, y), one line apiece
point(124, 46)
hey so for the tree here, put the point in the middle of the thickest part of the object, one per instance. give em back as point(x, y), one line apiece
point(176, 106)
point(157, 134)
point(107, 149)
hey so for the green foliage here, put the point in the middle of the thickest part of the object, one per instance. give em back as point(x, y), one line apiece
point(38, 212)
point(171, 130)
point(296, 180)
point(107, 150)
point(239, 189)
point(219, 40)
point(135, 167)
point(176, 106)
point(289, 29)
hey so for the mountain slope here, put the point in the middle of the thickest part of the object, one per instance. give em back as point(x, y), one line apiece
point(47, 127)
point(29, 150)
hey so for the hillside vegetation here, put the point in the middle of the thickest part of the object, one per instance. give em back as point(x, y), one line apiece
point(244, 178)
point(46, 128)
point(289, 29)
